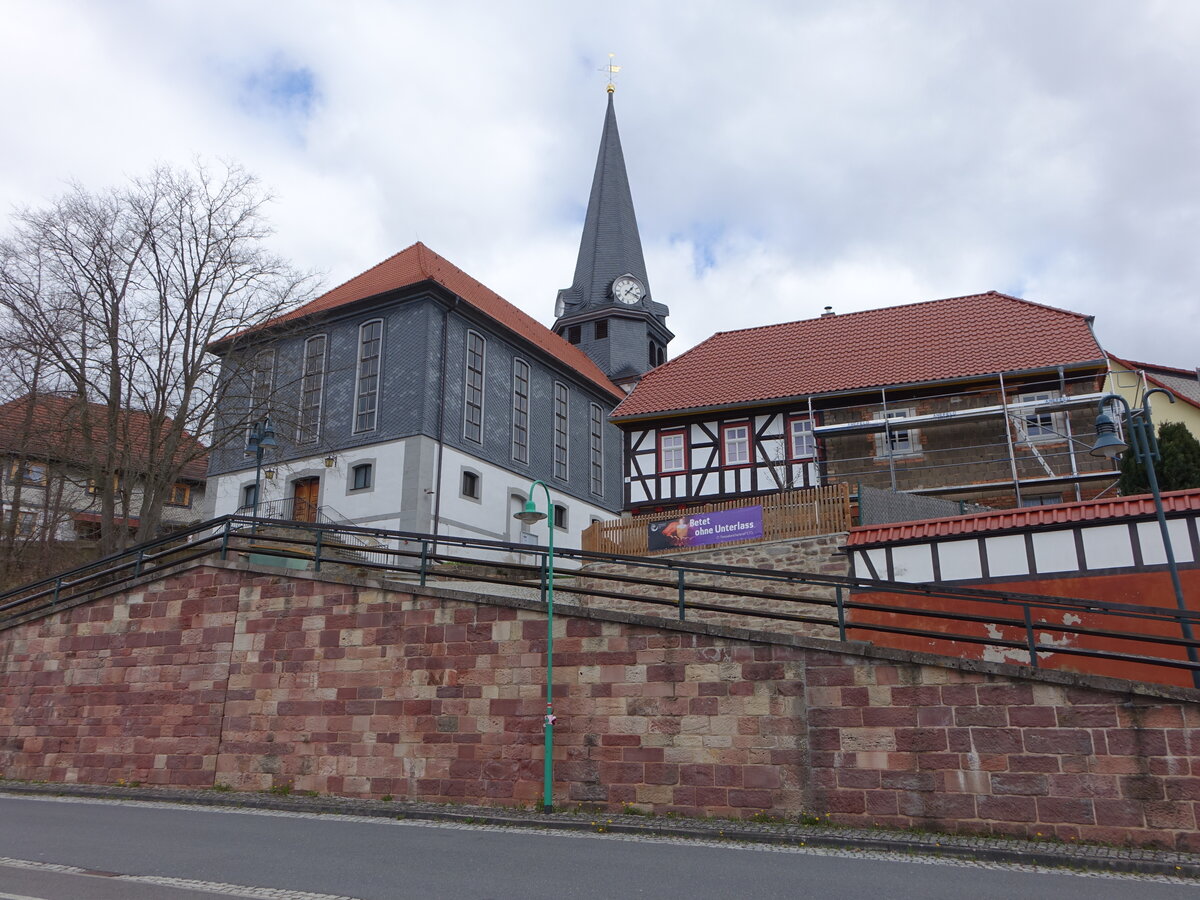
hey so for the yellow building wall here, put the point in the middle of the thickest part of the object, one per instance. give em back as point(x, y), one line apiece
point(1130, 385)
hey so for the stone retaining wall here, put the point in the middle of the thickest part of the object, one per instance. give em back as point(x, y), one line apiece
point(256, 680)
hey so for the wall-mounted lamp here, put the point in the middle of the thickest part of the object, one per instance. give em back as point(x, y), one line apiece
point(330, 461)
point(269, 472)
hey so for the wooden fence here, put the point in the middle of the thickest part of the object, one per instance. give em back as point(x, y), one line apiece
point(788, 514)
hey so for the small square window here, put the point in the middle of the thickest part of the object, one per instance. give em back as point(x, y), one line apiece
point(574, 334)
point(560, 516)
point(1038, 423)
point(470, 484)
point(362, 477)
point(897, 441)
point(601, 329)
point(735, 442)
point(179, 495)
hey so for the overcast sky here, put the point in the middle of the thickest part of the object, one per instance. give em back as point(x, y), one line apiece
point(784, 156)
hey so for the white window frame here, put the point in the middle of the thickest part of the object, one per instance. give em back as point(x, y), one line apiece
point(898, 442)
point(802, 438)
point(562, 431)
point(363, 392)
point(680, 452)
point(312, 385)
point(596, 448)
point(735, 444)
point(1036, 426)
point(473, 381)
point(520, 411)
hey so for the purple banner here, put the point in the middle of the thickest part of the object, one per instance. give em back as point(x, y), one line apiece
point(702, 529)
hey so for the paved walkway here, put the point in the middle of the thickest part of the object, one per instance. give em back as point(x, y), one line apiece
point(991, 849)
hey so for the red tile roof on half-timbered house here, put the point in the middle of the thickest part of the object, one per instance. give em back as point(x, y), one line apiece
point(51, 427)
point(937, 340)
point(417, 264)
point(1029, 517)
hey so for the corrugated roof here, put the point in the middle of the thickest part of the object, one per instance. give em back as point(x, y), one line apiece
point(939, 339)
point(417, 264)
point(1088, 511)
point(53, 430)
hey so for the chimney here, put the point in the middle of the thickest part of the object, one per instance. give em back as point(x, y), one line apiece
point(828, 312)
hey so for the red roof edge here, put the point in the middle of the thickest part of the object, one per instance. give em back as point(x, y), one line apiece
point(1139, 506)
point(1141, 367)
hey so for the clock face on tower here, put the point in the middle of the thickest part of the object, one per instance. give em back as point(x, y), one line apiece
point(627, 289)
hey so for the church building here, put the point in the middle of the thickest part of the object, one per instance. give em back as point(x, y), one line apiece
point(415, 398)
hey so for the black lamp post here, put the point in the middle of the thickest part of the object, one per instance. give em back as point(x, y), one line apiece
point(262, 437)
point(1140, 428)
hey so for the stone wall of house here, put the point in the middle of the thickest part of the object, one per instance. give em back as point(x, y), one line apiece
point(219, 675)
point(818, 555)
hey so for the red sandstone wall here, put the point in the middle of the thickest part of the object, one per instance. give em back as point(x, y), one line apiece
point(346, 689)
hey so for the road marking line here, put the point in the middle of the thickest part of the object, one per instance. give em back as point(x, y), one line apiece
point(208, 887)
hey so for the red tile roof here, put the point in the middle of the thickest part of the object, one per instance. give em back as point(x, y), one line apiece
point(417, 264)
point(931, 341)
point(1088, 511)
point(53, 430)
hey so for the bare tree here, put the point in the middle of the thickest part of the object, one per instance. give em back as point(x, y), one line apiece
point(119, 294)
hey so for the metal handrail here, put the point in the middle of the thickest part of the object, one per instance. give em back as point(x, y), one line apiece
point(443, 557)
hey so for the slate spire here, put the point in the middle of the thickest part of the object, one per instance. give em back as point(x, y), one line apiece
point(611, 245)
point(626, 335)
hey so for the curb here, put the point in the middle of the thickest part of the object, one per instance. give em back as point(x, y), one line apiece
point(1089, 857)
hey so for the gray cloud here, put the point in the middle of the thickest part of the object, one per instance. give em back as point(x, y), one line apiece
point(783, 156)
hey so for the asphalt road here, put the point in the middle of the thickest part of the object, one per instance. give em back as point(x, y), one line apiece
point(129, 851)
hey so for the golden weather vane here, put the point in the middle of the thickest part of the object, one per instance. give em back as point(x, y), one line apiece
point(612, 69)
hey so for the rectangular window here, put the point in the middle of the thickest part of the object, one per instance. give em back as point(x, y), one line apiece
point(473, 409)
point(560, 516)
point(312, 387)
point(180, 494)
point(561, 422)
point(574, 334)
point(22, 471)
point(520, 415)
point(596, 448)
point(470, 484)
point(1041, 500)
point(249, 492)
point(264, 377)
point(370, 346)
point(735, 445)
point(601, 329)
point(671, 452)
point(1040, 424)
point(26, 522)
point(361, 476)
point(897, 441)
point(801, 440)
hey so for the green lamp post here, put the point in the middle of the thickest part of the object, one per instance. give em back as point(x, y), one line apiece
point(530, 515)
point(1140, 428)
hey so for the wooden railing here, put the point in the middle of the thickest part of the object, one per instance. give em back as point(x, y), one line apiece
point(788, 514)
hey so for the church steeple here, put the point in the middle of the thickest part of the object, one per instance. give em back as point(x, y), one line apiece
point(608, 309)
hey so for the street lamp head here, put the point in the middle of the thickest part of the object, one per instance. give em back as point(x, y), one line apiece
point(267, 441)
point(530, 515)
point(1107, 443)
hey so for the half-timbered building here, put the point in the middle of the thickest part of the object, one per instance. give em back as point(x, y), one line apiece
point(996, 395)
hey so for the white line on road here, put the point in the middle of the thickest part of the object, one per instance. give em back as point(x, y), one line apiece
point(208, 887)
